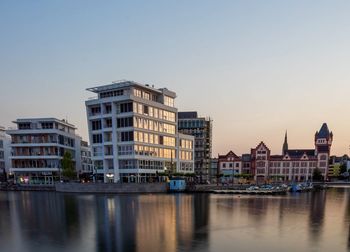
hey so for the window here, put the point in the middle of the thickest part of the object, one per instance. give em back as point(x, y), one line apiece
point(146, 95)
point(139, 108)
point(127, 164)
point(108, 123)
point(126, 107)
point(145, 109)
point(107, 136)
point(168, 141)
point(155, 113)
point(261, 171)
point(98, 164)
point(108, 108)
point(168, 128)
point(95, 111)
point(125, 122)
point(137, 92)
point(24, 126)
point(96, 125)
point(286, 164)
point(323, 164)
point(97, 138)
point(47, 125)
point(126, 136)
point(260, 164)
point(125, 150)
point(111, 93)
point(168, 101)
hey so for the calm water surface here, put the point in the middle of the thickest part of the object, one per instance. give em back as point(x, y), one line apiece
point(41, 221)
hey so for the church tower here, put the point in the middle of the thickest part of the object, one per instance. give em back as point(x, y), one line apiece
point(285, 145)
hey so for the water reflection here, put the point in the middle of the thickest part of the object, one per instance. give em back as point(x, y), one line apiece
point(317, 212)
point(34, 221)
point(151, 222)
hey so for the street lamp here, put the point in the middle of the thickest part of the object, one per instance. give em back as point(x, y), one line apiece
point(110, 176)
point(233, 175)
point(165, 170)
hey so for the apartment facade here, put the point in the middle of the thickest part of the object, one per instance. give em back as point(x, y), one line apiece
point(213, 172)
point(133, 133)
point(86, 169)
point(37, 148)
point(291, 165)
point(201, 128)
point(4, 151)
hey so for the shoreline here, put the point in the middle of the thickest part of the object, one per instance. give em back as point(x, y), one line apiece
point(161, 188)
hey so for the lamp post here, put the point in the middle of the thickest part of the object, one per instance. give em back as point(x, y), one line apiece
point(165, 170)
point(233, 174)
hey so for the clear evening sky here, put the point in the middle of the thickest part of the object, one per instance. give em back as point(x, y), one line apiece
point(257, 68)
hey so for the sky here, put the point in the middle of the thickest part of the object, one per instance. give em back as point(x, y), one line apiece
point(256, 68)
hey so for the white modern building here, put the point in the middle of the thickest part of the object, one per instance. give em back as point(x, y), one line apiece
point(38, 146)
point(4, 150)
point(133, 133)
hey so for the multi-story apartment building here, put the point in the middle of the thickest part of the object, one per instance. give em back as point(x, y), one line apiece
point(133, 133)
point(86, 170)
point(4, 150)
point(293, 164)
point(38, 146)
point(201, 128)
point(338, 165)
point(213, 172)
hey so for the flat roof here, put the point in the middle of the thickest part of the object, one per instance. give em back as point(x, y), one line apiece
point(45, 119)
point(126, 83)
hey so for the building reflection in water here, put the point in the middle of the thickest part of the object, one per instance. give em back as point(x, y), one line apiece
point(346, 198)
point(43, 219)
point(152, 222)
point(173, 222)
point(316, 215)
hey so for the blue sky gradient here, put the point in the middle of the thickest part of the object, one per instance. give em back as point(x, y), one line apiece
point(256, 67)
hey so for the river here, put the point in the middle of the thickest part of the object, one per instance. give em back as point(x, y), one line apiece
point(49, 222)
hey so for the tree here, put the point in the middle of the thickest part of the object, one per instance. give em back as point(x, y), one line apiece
point(343, 168)
point(68, 171)
point(317, 175)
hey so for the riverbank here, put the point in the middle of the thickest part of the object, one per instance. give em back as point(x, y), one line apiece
point(91, 188)
point(131, 188)
point(111, 188)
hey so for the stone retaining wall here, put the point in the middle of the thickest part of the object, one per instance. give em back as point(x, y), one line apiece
point(111, 188)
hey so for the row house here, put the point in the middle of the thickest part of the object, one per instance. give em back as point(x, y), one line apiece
point(291, 165)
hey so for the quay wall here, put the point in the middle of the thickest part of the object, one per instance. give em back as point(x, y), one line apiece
point(111, 188)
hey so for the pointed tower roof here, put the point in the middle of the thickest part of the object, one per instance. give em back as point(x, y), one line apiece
point(324, 132)
point(285, 144)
